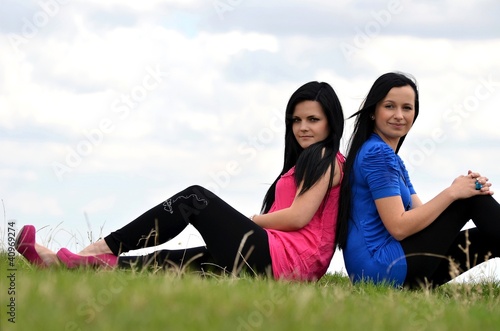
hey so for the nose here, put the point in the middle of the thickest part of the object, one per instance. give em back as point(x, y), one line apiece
point(398, 113)
point(303, 126)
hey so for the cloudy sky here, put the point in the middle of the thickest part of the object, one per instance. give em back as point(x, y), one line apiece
point(109, 107)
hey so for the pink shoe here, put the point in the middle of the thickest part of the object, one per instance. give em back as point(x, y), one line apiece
point(25, 245)
point(72, 260)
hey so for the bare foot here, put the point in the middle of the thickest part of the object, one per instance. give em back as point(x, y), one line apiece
point(97, 248)
point(48, 256)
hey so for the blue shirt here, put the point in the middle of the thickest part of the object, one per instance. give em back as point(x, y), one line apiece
point(371, 253)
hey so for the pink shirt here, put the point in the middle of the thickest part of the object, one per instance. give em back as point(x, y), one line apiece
point(304, 254)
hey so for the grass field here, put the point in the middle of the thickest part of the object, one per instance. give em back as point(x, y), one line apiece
point(59, 299)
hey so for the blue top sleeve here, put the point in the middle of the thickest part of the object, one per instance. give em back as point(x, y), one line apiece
point(381, 171)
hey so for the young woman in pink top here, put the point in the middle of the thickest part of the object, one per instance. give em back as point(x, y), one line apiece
point(292, 238)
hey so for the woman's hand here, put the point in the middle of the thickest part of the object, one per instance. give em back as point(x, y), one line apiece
point(465, 186)
point(483, 181)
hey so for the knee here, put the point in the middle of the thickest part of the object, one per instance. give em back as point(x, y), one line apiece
point(199, 191)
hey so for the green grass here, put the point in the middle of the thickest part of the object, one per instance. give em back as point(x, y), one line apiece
point(59, 299)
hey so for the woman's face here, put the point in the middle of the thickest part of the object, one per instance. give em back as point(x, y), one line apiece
point(394, 114)
point(310, 124)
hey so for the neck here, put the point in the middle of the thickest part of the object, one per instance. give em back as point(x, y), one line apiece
point(393, 143)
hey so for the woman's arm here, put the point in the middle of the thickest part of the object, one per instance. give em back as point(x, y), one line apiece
point(415, 201)
point(401, 223)
point(303, 208)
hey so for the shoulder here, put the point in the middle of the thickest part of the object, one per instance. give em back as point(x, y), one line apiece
point(377, 156)
point(339, 158)
point(290, 172)
point(339, 163)
point(373, 150)
point(338, 166)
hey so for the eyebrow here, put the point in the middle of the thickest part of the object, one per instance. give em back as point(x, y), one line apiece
point(406, 103)
point(308, 116)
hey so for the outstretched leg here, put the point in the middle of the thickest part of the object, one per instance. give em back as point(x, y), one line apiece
point(156, 226)
point(233, 241)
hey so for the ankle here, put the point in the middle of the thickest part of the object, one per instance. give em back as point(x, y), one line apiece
point(48, 256)
point(97, 248)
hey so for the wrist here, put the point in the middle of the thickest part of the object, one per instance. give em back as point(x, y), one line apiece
point(450, 194)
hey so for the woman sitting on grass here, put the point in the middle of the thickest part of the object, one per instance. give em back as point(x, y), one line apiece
point(293, 237)
point(386, 233)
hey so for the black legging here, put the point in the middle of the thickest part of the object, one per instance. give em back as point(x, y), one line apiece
point(427, 251)
point(223, 229)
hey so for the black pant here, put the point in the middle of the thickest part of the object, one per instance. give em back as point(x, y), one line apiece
point(233, 241)
point(428, 251)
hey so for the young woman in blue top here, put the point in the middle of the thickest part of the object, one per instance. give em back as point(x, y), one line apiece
point(386, 233)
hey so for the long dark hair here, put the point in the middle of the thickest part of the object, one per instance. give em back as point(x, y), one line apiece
point(363, 128)
point(313, 162)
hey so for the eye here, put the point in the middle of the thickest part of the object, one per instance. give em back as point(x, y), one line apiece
point(389, 106)
point(408, 108)
point(313, 119)
point(295, 119)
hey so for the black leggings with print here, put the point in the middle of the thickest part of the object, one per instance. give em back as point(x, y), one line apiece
point(233, 241)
